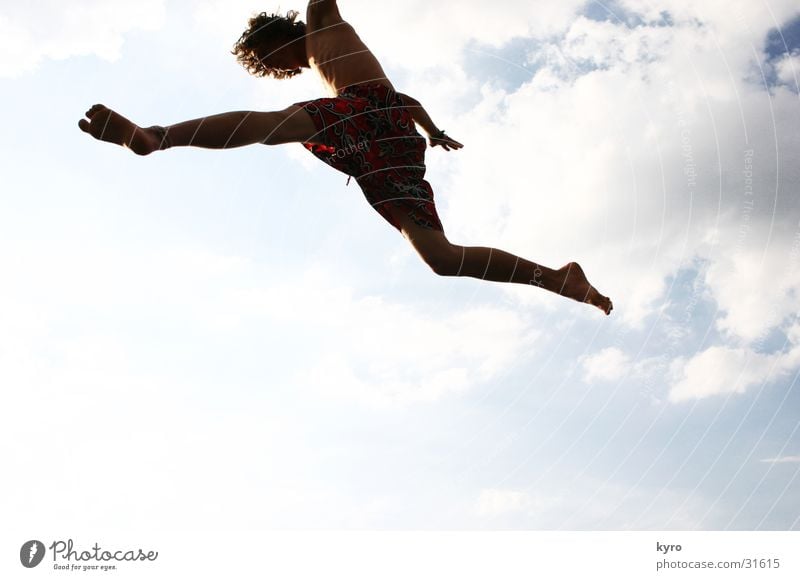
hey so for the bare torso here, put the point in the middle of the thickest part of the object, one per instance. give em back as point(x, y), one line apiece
point(338, 55)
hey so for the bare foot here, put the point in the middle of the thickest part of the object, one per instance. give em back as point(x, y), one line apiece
point(106, 125)
point(577, 287)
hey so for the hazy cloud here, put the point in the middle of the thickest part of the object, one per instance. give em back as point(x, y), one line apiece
point(48, 29)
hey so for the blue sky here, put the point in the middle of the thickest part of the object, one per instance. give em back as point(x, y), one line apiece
point(232, 340)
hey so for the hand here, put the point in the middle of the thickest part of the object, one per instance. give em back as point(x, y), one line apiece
point(446, 142)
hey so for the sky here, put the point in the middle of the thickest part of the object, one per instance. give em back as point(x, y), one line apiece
point(235, 340)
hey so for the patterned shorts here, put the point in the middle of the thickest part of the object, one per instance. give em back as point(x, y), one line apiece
point(369, 134)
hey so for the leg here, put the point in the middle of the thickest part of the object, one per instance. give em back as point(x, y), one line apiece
point(223, 131)
point(448, 259)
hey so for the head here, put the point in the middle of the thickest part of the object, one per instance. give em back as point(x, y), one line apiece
point(273, 46)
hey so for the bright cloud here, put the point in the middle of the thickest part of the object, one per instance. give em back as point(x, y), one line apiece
point(788, 70)
point(495, 502)
point(722, 370)
point(640, 213)
point(607, 365)
point(421, 357)
point(784, 459)
point(33, 31)
point(755, 287)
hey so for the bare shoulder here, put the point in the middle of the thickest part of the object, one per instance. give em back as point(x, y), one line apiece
point(336, 51)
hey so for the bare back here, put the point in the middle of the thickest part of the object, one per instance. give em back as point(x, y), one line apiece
point(336, 52)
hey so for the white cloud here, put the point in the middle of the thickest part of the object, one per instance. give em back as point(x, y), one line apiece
point(721, 370)
point(756, 288)
point(495, 502)
point(607, 365)
point(605, 44)
point(49, 29)
point(88, 343)
point(592, 165)
point(421, 354)
point(788, 70)
point(730, 19)
point(423, 357)
point(784, 459)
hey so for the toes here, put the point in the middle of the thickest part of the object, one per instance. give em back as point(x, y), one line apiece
point(94, 110)
point(91, 114)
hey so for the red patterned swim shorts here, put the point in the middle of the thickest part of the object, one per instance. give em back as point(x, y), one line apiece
point(369, 134)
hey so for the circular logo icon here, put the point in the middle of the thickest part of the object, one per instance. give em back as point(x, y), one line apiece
point(31, 553)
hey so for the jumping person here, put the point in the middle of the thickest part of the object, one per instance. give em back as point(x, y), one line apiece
point(367, 130)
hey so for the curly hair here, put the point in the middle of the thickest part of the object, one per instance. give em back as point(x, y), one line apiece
point(262, 28)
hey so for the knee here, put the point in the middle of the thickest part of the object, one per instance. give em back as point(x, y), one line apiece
point(444, 261)
point(272, 139)
point(274, 125)
point(273, 136)
point(444, 258)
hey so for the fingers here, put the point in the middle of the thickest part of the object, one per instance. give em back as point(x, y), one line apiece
point(451, 145)
point(83, 124)
point(446, 144)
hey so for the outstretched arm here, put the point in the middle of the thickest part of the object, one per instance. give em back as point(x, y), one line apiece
point(421, 118)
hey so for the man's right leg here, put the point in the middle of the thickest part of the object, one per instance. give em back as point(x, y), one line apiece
point(447, 259)
point(222, 131)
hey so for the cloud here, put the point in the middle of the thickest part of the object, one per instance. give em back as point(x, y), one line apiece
point(788, 70)
point(721, 370)
point(424, 356)
point(496, 502)
point(626, 150)
point(756, 288)
point(607, 365)
point(729, 20)
point(33, 32)
point(784, 459)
